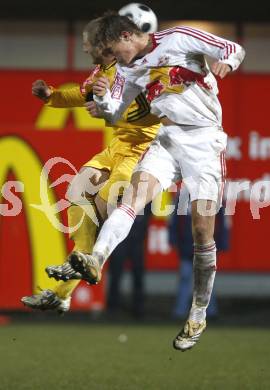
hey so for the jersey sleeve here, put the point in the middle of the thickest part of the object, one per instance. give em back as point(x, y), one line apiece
point(69, 97)
point(117, 100)
point(75, 96)
point(197, 41)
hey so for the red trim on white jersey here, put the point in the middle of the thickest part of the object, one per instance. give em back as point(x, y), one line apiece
point(154, 42)
point(128, 210)
point(195, 34)
point(201, 35)
point(223, 174)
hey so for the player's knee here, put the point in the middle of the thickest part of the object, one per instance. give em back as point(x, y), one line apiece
point(86, 183)
point(137, 199)
point(142, 188)
point(74, 192)
point(78, 189)
point(93, 177)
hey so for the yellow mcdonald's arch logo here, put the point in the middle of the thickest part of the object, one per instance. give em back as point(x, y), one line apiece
point(47, 243)
point(55, 119)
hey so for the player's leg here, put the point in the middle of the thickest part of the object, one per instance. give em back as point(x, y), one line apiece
point(86, 215)
point(116, 228)
point(155, 171)
point(83, 213)
point(120, 160)
point(204, 261)
point(205, 180)
point(118, 225)
point(204, 270)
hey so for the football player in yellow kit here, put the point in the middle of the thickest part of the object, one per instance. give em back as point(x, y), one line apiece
point(96, 183)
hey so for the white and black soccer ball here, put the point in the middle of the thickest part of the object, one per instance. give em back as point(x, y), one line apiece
point(141, 15)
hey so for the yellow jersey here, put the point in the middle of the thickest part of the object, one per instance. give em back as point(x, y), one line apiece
point(137, 124)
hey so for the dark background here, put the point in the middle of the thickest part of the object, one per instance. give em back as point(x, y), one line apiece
point(229, 10)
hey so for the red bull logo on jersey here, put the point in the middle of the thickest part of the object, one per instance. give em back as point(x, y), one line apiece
point(179, 75)
point(172, 80)
point(160, 82)
point(154, 89)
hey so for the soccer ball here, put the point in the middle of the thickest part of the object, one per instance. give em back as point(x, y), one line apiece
point(141, 15)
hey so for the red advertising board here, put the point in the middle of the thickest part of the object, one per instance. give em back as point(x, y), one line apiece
point(31, 134)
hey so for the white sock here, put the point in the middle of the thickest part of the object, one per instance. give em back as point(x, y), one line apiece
point(204, 271)
point(114, 230)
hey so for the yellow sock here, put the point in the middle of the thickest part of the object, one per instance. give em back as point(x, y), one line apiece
point(84, 238)
point(64, 289)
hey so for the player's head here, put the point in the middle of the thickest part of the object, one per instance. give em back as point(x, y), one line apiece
point(120, 36)
point(99, 55)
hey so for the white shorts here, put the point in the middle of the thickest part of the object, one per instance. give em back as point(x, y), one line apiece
point(195, 155)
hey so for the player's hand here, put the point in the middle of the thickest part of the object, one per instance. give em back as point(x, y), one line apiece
point(100, 86)
point(41, 90)
point(92, 108)
point(220, 69)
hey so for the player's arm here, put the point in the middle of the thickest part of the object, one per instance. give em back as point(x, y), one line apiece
point(111, 103)
point(77, 95)
point(68, 97)
point(228, 54)
point(59, 98)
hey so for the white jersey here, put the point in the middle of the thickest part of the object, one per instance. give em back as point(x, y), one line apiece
point(175, 78)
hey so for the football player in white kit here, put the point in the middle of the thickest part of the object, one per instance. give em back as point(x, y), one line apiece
point(170, 67)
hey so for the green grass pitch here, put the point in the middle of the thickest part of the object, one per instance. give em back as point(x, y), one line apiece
point(93, 356)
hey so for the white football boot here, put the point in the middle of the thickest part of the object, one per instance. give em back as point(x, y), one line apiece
point(47, 300)
point(189, 335)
